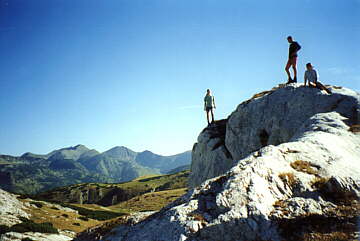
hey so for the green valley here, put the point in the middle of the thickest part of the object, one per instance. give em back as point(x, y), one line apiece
point(34, 173)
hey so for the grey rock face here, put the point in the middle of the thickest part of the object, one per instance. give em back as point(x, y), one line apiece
point(11, 209)
point(279, 114)
point(12, 236)
point(305, 181)
point(210, 157)
point(271, 119)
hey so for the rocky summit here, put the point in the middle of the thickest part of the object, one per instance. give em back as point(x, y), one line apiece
point(283, 166)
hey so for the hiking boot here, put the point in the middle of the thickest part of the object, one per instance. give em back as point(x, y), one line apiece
point(294, 80)
point(289, 81)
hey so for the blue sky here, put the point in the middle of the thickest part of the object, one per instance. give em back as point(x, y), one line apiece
point(134, 72)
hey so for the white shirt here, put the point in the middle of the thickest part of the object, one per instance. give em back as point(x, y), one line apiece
point(311, 75)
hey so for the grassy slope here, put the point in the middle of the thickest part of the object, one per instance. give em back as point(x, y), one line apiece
point(124, 191)
point(145, 199)
point(152, 201)
point(149, 201)
point(60, 219)
point(5, 162)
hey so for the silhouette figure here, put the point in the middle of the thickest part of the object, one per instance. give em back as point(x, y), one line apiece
point(209, 105)
point(293, 49)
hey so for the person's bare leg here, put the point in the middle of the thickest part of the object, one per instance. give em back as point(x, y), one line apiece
point(212, 115)
point(207, 117)
point(287, 67)
point(322, 87)
point(295, 72)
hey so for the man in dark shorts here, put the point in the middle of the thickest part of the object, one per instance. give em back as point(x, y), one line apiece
point(293, 49)
point(209, 105)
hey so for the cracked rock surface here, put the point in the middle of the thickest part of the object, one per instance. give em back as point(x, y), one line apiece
point(290, 171)
point(11, 209)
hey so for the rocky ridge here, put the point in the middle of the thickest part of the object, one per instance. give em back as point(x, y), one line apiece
point(293, 154)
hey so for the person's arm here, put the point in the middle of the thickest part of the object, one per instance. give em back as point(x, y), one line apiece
point(205, 103)
point(214, 102)
point(305, 78)
point(316, 77)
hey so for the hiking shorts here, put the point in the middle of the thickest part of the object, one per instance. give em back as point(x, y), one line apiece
point(208, 109)
point(291, 61)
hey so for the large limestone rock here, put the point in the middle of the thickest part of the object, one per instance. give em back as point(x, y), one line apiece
point(11, 209)
point(13, 236)
point(269, 118)
point(11, 212)
point(210, 157)
point(304, 184)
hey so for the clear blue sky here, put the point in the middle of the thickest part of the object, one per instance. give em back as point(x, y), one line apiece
point(134, 72)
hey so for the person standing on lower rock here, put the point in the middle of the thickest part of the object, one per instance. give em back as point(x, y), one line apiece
point(209, 105)
point(293, 49)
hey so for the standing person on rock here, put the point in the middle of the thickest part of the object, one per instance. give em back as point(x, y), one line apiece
point(311, 76)
point(293, 49)
point(209, 105)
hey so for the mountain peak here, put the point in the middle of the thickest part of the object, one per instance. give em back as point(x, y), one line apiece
point(27, 154)
point(120, 152)
point(78, 146)
point(118, 149)
point(30, 156)
point(72, 152)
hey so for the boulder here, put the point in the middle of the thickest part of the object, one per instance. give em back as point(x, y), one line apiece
point(210, 157)
point(268, 118)
point(13, 236)
point(294, 174)
point(11, 209)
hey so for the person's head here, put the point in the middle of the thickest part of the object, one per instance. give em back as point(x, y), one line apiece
point(289, 39)
point(208, 91)
point(309, 66)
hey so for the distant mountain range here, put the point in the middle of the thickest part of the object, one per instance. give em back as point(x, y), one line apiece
point(33, 173)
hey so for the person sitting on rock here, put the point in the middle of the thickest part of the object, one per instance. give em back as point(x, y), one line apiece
point(209, 105)
point(293, 49)
point(311, 76)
